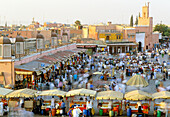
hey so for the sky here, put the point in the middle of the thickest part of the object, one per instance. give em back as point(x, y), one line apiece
point(87, 11)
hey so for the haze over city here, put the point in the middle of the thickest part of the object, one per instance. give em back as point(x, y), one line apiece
point(85, 58)
point(87, 11)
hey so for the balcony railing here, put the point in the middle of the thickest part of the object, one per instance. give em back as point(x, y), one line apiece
point(117, 40)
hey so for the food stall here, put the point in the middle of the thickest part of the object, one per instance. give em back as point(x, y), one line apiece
point(77, 95)
point(160, 96)
point(47, 96)
point(3, 104)
point(138, 95)
point(109, 100)
point(22, 94)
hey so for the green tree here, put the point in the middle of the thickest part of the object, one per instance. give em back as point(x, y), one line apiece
point(139, 14)
point(131, 21)
point(167, 33)
point(77, 23)
point(162, 28)
point(136, 22)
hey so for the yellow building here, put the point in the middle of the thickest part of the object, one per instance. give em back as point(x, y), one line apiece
point(111, 36)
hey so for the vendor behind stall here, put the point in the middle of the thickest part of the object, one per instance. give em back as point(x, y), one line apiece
point(52, 102)
point(139, 107)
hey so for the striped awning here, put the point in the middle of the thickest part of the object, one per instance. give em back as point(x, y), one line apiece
point(82, 92)
point(4, 91)
point(54, 92)
point(22, 93)
point(137, 95)
point(112, 95)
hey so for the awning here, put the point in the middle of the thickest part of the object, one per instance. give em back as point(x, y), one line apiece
point(82, 92)
point(23, 73)
point(22, 93)
point(102, 45)
point(137, 95)
point(161, 95)
point(4, 91)
point(112, 95)
point(53, 92)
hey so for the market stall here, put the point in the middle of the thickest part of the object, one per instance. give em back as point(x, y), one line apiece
point(78, 97)
point(138, 95)
point(165, 95)
point(25, 96)
point(3, 101)
point(108, 100)
point(51, 98)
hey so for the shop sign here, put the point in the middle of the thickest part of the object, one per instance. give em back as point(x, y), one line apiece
point(79, 46)
point(90, 46)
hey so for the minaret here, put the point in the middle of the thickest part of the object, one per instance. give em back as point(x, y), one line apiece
point(33, 22)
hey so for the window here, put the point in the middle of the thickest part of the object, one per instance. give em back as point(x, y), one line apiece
point(0, 50)
point(64, 38)
point(52, 41)
point(40, 43)
point(7, 50)
point(118, 36)
point(128, 36)
point(144, 14)
point(133, 36)
point(147, 47)
point(19, 48)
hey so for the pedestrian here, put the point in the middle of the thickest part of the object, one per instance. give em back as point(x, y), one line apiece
point(75, 112)
point(70, 112)
point(52, 102)
point(89, 107)
point(63, 108)
point(157, 83)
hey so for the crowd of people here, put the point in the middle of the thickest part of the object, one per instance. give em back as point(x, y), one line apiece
point(113, 72)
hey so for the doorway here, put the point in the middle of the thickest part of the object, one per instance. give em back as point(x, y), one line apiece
point(140, 46)
point(107, 38)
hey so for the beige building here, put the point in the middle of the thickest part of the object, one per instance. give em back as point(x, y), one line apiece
point(6, 62)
